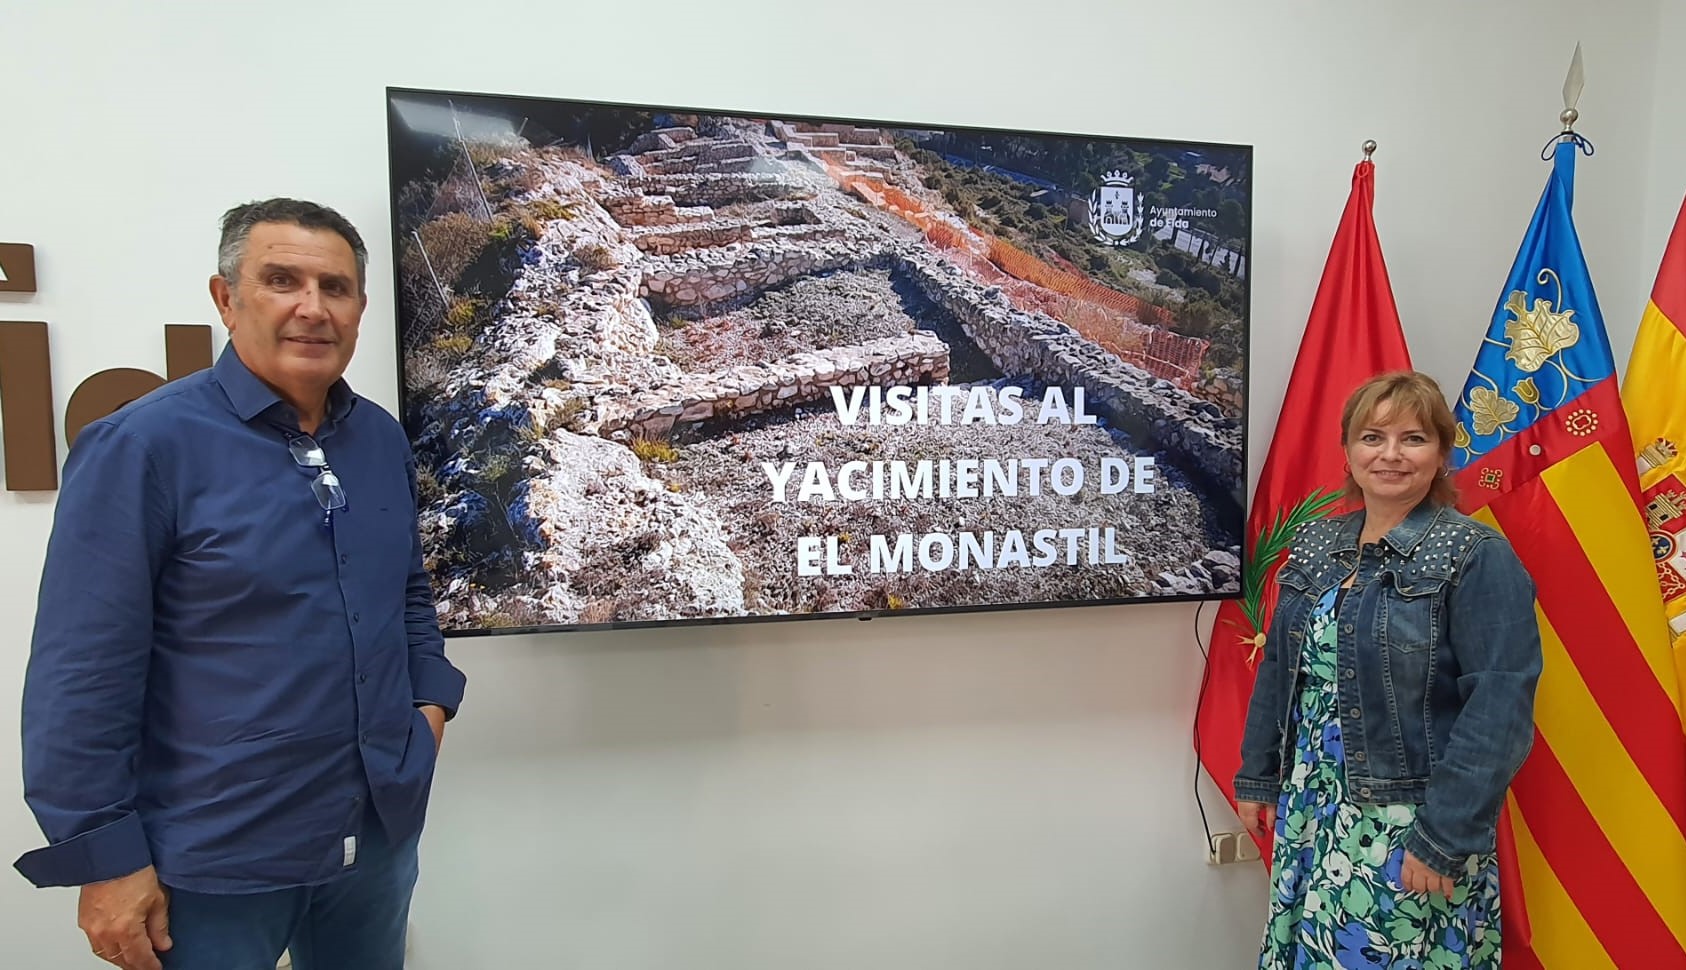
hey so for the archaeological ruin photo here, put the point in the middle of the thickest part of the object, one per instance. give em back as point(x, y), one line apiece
point(667, 366)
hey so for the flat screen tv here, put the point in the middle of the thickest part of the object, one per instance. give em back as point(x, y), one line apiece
point(671, 365)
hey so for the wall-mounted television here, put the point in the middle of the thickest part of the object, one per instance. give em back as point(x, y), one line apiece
point(671, 365)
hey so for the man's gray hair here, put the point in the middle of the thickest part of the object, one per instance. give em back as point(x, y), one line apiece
point(237, 225)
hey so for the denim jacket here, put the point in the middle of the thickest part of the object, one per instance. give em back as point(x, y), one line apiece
point(1437, 655)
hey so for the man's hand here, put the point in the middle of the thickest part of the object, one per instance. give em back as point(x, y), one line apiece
point(435, 720)
point(127, 919)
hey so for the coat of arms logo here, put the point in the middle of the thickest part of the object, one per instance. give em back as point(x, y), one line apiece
point(1116, 213)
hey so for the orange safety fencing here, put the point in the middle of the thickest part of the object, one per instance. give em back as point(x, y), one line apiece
point(1125, 325)
point(1032, 270)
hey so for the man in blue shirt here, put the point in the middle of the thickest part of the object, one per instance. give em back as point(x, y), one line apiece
point(237, 685)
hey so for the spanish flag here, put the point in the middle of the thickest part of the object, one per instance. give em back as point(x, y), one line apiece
point(1593, 859)
point(1654, 393)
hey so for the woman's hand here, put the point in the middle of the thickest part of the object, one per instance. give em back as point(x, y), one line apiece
point(1419, 878)
point(1258, 818)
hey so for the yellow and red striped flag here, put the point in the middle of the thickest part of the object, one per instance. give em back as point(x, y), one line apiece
point(1594, 855)
point(1654, 393)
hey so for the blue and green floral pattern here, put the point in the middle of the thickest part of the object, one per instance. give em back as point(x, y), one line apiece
point(1336, 899)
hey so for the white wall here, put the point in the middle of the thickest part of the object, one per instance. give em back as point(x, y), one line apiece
point(1666, 187)
point(995, 791)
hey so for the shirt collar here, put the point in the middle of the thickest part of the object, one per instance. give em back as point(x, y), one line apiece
point(251, 397)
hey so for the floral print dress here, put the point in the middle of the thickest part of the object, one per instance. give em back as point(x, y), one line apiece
point(1336, 899)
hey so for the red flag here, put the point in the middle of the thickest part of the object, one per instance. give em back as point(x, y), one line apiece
point(1353, 334)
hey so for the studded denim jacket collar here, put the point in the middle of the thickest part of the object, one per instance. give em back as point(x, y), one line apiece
point(1428, 545)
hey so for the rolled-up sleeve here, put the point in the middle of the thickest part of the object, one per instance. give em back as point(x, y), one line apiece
point(84, 688)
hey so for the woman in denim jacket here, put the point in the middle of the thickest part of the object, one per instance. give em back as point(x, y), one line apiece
point(1392, 708)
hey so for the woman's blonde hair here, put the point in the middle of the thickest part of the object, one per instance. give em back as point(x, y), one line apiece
point(1412, 394)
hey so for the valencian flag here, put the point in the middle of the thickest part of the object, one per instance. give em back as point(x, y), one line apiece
point(1595, 848)
point(1352, 334)
point(1654, 393)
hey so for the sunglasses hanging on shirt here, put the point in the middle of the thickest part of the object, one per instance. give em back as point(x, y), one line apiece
point(326, 485)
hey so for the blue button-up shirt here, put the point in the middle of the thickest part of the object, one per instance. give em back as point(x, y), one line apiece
point(224, 678)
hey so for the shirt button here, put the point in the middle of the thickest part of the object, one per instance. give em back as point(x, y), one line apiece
point(1365, 792)
point(1350, 673)
point(1354, 712)
point(356, 616)
point(362, 678)
point(343, 559)
point(1347, 628)
point(365, 739)
point(1359, 756)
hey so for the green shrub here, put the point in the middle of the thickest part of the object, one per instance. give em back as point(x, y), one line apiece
point(654, 449)
point(454, 346)
point(596, 257)
point(453, 242)
point(462, 314)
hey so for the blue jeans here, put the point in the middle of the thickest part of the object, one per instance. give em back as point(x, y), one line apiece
point(356, 922)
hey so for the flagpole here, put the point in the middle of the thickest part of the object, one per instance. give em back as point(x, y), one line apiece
point(1573, 83)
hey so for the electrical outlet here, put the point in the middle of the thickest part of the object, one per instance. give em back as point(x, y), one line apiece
point(1231, 847)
